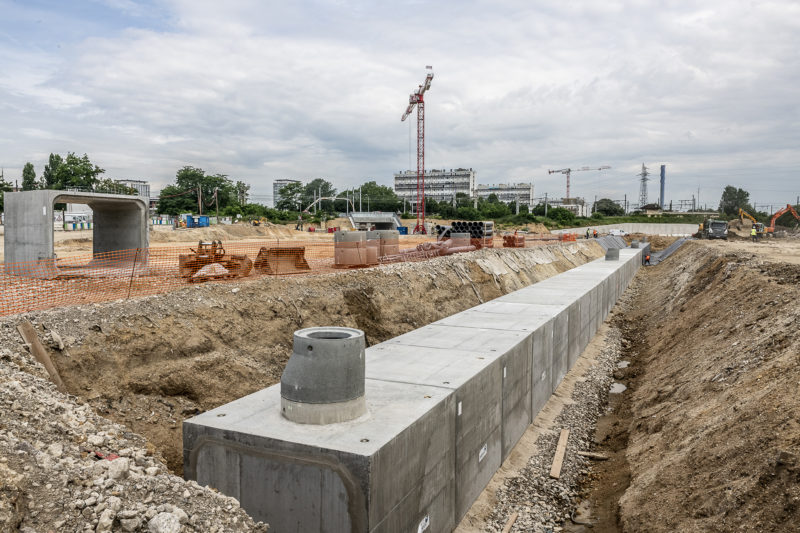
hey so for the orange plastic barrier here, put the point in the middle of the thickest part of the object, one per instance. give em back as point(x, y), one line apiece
point(88, 278)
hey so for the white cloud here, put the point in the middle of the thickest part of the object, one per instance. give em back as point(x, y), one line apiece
point(264, 90)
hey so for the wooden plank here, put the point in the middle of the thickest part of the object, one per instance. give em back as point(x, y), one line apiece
point(29, 335)
point(561, 449)
point(510, 522)
point(594, 455)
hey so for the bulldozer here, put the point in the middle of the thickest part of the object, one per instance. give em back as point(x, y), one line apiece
point(209, 261)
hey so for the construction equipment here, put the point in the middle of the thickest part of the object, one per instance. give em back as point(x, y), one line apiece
point(209, 262)
point(754, 223)
point(712, 228)
point(568, 171)
point(282, 260)
point(417, 99)
point(770, 230)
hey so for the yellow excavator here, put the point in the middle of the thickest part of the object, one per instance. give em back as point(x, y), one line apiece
point(758, 225)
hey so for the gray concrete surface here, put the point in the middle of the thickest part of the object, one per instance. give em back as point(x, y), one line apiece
point(120, 223)
point(446, 404)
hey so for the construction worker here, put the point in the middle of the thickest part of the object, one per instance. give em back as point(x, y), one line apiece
point(647, 258)
point(754, 233)
point(587, 232)
point(299, 225)
point(595, 234)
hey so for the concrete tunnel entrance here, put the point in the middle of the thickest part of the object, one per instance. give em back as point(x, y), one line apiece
point(120, 225)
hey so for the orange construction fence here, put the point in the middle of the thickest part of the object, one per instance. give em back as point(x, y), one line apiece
point(91, 278)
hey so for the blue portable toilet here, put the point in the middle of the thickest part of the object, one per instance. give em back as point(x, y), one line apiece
point(402, 230)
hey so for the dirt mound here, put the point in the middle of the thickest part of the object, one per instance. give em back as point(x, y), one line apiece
point(657, 242)
point(151, 363)
point(234, 232)
point(710, 426)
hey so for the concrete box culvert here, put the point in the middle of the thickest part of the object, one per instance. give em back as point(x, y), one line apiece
point(634, 244)
point(323, 382)
point(612, 254)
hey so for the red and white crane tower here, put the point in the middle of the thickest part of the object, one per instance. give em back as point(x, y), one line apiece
point(568, 171)
point(416, 99)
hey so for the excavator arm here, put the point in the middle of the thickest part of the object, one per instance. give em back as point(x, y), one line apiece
point(777, 215)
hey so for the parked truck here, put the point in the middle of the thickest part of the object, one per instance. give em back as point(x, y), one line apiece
point(711, 228)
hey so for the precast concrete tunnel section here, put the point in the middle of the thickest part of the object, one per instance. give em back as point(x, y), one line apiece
point(120, 224)
point(445, 405)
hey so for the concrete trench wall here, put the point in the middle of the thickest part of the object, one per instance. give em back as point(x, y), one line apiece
point(447, 403)
point(648, 228)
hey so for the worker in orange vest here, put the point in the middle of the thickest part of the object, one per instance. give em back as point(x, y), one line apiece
point(595, 234)
point(647, 258)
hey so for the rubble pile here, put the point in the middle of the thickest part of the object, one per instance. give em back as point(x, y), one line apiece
point(63, 468)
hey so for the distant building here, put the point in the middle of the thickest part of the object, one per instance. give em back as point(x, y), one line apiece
point(576, 205)
point(440, 185)
point(277, 185)
point(142, 187)
point(508, 192)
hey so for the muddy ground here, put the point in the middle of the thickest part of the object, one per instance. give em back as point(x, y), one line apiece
point(707, 436)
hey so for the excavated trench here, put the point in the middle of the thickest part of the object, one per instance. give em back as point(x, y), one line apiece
point(153, 362)
point(707, 435)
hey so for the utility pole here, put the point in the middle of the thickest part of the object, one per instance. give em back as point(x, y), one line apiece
point(199, 199)
point(545, 205)
point(359, 200)
point(625, 207)
point(594, 205)
point(518, 204)
point(216, 199)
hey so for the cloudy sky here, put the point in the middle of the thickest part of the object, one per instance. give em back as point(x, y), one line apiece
point(261, 90)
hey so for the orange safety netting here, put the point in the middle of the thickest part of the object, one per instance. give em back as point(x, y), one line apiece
point(102, 277)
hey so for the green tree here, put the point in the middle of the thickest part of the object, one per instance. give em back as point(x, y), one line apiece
point(49, 175)
point(468, 213)
point(72, 171)
point(29, 177)
point(4, 188)
point(242, 192)
point(734, 199)
point(608, 208)
point(192, 178)
point(376, 197)
point(173, 201)
point(317, 188)
point(291, 197)
point(493, 209)
point(561, 215)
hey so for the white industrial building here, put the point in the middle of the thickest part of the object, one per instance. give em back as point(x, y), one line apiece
point(508, 193)
point(142, 187)
point(277, 185)
point(576, 205)
point(440, 185)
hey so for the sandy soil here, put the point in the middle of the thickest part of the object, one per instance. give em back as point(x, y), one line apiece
point(150, 363)
point(707, 437)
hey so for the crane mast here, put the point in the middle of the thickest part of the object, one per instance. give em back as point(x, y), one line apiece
point(417, 99)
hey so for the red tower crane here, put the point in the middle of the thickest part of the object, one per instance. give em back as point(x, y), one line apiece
point(568, 171)
point(416, 99)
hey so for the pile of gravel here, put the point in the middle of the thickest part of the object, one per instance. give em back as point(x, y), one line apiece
point(63, 468)
point(544, 504)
